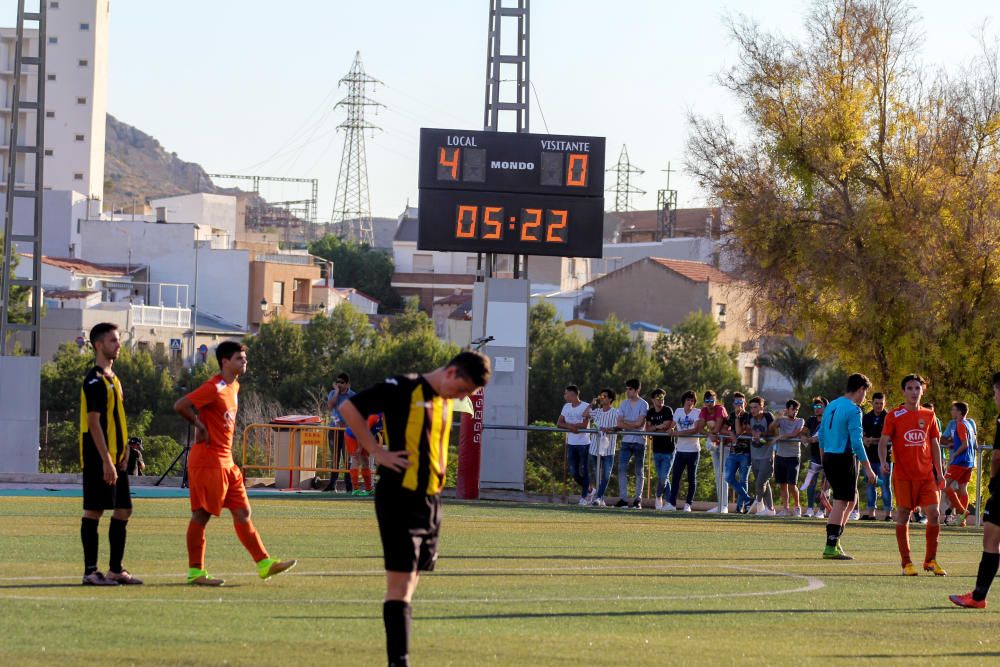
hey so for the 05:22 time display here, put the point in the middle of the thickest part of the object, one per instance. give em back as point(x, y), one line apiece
point(492, 223)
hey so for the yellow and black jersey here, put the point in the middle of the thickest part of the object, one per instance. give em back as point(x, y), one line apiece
point(102, 393)
point(415, 420)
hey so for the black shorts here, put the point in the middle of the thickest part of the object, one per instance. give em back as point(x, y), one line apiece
point(991, 510)
point(841, 472)
point(786, 469)
point(408, 523)
point(100, 496)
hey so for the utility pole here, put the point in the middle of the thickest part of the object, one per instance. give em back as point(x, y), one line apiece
point(352, 202)
point(623, 186)
point(666, 210)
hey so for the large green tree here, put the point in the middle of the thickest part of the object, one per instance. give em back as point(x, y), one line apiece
point(691, 358)
point(359, 266)
point(865, 198)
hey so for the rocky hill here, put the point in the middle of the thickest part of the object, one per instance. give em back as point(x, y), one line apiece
point(138, 168)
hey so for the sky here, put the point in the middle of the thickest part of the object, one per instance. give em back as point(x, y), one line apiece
point(249, 86)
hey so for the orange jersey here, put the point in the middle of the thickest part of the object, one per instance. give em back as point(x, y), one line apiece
point(911, 432)
point(217, 403)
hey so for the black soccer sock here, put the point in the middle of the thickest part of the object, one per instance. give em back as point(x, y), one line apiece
point(88, 535)
point(398, 618)
point(833, 532)
point(116, 537)
point(987, 571)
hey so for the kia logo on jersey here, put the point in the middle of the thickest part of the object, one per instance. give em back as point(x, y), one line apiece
point(915, 437)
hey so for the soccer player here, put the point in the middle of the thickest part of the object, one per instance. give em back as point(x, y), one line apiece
point(103, 434)
point(360, 465)
point(962, 435)
point(916, 470)
point(990, 561)
point(841, 442)
point(214, 480)
point(416, 411)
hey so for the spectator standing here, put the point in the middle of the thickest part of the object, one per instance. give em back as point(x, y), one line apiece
point(961, 435)
point(659, 420)
point(136, 464)
point(759, 425)
point(605, 419)
point(712, 419)
point(574, 416)
point(871, 425)
point(737, 456)
point(786, 458)
point(688, 451)
point(633, 418)
point(815, 472)
point(336, 440)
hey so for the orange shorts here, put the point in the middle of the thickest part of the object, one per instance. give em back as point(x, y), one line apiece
point(959, 474)
point(351, 444)
point(212, 488)
point(912, 493)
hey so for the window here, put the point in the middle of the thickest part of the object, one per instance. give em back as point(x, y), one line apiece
point(50, 114)
point(85, 26)
point(83, 63)
point(79, 137)
point(77, 176)
point(278, 293)
point(423, 263)
point(53, 40)
point(48, 152)
point(81, 100)
point(51, 77)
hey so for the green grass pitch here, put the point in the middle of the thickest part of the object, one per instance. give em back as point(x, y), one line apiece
point(515, 585)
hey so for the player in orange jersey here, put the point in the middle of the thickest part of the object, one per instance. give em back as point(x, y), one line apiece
point(917, 478)
point(215, 480)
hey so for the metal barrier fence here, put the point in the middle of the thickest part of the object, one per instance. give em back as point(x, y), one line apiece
point(288, 451)
point(721, 498)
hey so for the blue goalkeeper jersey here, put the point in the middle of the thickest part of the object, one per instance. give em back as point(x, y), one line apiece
point(841, 430)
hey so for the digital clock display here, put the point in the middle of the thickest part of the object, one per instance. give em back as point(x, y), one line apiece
point(506, 192)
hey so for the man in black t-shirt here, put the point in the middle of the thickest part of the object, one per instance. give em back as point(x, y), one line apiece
point(416, 413)
point(871, 426)
point(660, 418)
point(737, 465)
point(103, 454)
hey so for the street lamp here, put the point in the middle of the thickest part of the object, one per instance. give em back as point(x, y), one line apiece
point(263, 310)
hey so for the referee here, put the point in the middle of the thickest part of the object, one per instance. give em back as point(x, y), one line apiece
point(103, 434)
point(416, 413)
point(840, 439)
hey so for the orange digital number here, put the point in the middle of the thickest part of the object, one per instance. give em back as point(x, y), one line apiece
point(576, 169)
point(448, 163)
point(530, 219)
point(465, 226)
point(556, 232)
point(489, 221)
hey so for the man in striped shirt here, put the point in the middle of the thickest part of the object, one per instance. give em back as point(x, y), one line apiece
point(606, 419)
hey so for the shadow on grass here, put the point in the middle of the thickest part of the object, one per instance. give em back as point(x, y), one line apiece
point(897, 656)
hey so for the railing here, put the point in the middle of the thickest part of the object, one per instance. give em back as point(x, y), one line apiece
point(161, 315)
point(307, 308)
point(287, 451)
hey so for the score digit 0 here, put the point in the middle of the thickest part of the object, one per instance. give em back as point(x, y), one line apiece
point(576, 170)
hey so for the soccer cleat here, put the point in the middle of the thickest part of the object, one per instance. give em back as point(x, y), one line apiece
point(909, 570)
point(358, 492)
point(932, 566)
point(197, 577)
point(269, 567)
point(967, 601)
point(835, 553)
point(97, 579)
point(123, 578)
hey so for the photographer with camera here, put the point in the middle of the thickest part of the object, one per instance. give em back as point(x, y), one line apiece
point(136, 466)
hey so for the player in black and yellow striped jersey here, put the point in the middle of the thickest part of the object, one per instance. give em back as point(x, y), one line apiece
point(416, 413)
point(104, 455)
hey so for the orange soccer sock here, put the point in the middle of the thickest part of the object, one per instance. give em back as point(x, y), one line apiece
point(355, 479)
point(932, 542)
point(196, 544)
point(367, 474)
point(956, 501)
point(251, 540)
point(903, 542)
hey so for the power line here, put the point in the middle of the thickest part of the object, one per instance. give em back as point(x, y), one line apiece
point(623, 185)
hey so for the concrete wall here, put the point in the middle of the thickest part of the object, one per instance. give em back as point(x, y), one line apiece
point(645, 292)
point(617, 255)
point(217, 211)
point(61, 211)
point(264, 275)
point(19, 410)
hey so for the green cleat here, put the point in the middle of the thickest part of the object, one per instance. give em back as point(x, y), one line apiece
point(836, 553)
point(269, 567)
point(198, 577)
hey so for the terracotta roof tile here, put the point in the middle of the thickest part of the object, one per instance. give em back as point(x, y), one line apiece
point(89, 268)
point(698, 272)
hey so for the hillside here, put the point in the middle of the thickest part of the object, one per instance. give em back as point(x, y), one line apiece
point(137, 168)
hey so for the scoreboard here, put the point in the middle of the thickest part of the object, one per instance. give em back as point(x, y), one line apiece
point(511, 193)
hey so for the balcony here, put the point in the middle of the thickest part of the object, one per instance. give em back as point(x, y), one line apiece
point(307, 308)
point(161, 316)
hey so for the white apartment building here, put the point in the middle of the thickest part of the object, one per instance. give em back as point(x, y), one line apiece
point(76, 58)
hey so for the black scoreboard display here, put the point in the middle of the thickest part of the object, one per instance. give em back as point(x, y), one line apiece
point(511, 193)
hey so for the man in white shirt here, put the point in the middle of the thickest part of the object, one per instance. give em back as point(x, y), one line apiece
point(688, 451)
point(574, 416)
point(633, 418)
point(602, 445)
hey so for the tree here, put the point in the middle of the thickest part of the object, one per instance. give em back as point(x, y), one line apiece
point(359, 266)
point(690, 358)
point(556, 358)
point(19, 308)
point(865, 202)
point(796, 363)
point(277, 362)
point(615, 355)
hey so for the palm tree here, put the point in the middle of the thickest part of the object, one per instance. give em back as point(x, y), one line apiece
point(794, 361)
